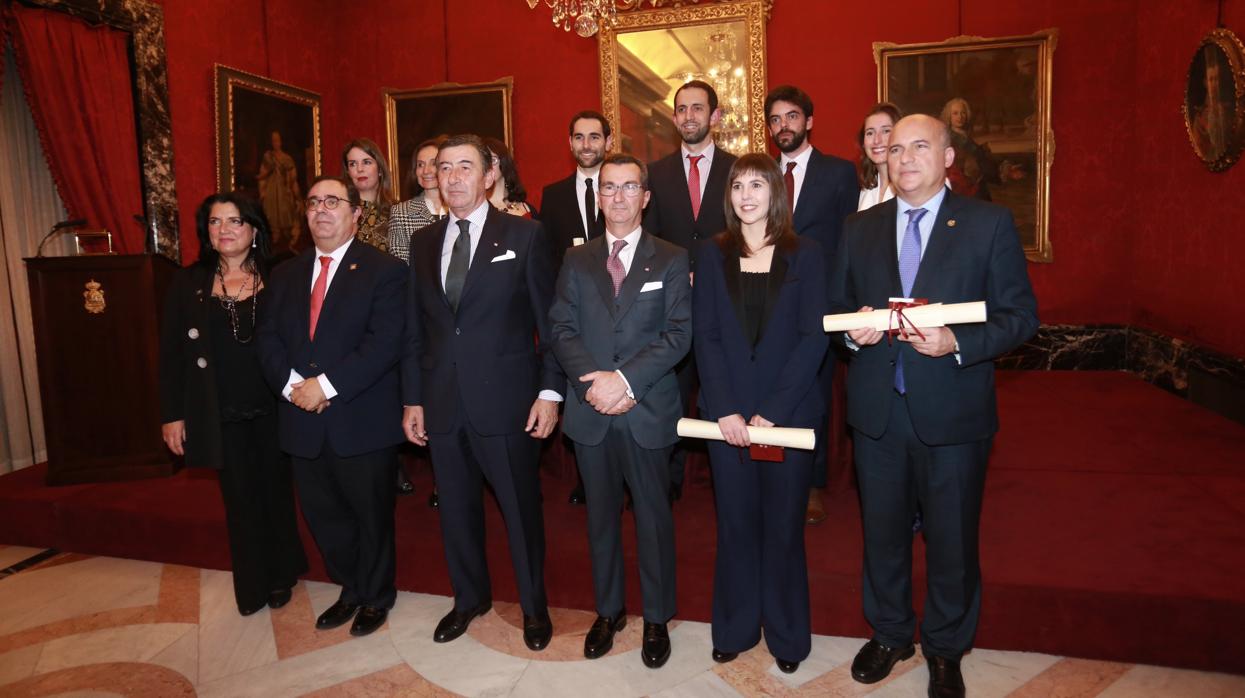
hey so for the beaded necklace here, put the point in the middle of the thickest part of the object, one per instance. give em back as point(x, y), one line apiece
point(230, 303)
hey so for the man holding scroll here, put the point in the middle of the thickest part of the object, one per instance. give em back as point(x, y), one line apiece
point(922, 406)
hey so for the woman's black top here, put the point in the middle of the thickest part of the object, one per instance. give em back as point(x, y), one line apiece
point(241, 391)
point(752, 287)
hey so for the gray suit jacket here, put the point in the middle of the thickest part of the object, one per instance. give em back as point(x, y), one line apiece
point(643, 333)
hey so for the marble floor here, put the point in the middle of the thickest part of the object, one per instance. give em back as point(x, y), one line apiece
point(78, 625)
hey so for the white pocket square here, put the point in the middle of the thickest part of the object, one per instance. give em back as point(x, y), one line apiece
point(503, 257)
point(650, 286)
point(576, 242)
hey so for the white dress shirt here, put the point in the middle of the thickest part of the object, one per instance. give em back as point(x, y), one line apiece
point(581, 186)
point(702, 166)
point(801, 169)
point(325, 386)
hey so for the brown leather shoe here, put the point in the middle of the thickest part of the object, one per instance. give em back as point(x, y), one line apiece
point(816, 512)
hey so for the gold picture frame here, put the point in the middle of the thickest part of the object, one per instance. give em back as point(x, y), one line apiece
point(1001, 89)
point(267, 146)
point(749, 15)
point(412, 116)
point(1214, 116)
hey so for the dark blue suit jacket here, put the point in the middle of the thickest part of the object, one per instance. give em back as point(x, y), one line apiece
point(493, 355)
point(973, 254)
point(828, 196)
point(776, 378)
point(357, 346)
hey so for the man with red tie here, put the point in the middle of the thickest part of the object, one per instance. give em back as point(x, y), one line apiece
point(330, 344)
point(688, 199)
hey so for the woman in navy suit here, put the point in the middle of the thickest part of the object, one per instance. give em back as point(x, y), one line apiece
point(758, 303)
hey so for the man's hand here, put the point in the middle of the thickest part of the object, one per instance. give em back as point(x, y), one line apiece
point(759, 421)
point(307, 395)
point(623, 406)
point(541, 418)
point(939, 341)
point(865, 336)
point(174, 434)
point(735, 430)
point(413, 424)
point(607, 389)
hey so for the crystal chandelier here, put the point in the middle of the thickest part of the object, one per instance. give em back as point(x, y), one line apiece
point(583, 15)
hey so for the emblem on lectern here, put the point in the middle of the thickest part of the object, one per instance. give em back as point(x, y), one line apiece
point(93, 297)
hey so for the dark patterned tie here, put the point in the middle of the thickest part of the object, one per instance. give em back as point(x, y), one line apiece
point(460, 259)
point(590, 210)
point(789, 179)
point(615, 267)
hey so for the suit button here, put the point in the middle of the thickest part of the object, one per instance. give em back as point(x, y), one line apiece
point(202, 362)
point(617, 358)
point(892, 363)
point(193, 333)
point(457, 330)
point(313, 365)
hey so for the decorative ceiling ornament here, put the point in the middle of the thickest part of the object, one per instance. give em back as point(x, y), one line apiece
point(586, 16)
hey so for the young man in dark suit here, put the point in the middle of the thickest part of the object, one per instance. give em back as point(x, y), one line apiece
point(330, 344)
point(621, 322)
point(480, 384)
point(687, 203)
point(823, 192)
point(923, 407)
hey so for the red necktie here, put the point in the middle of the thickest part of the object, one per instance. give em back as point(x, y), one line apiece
point(693, 183)
point(317, 292)
point(789, 180)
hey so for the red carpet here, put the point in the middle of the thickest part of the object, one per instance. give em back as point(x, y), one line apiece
point(1113, 529)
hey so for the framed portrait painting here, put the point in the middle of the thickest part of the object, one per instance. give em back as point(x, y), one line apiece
point(413, 116)
point(268, 146)
point(1213, 112)
point(995, 96)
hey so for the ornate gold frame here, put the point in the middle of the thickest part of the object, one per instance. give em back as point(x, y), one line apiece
point(1231, 46)
point(229, 78)
point(504, 86)
point(1044, 41)
point(752, 12)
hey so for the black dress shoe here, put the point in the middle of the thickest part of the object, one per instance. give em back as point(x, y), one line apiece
point(945, 680)
point(723, 657)
point(576, 496)
point(368, 620)
point(339, 613)
point(676, 492)
point(600, 638)
point(433, 501)
point(786, 667)
point(874, 661)
point(656, 648)
point(249, 610)
point(279, 597)
point(537, 630)
point(455, 622)
point(405, 486)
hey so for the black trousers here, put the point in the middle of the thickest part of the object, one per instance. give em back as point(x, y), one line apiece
point(897, 473)
point(348, 504)
point(821, 450)
point(605, 467)
point(256, 487)
point(462, 460)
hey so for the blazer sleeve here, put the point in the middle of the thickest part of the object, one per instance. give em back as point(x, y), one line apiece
point(1011, 308)
point(412, 342)
point(540, 282)
point(800, 371)
point(648, 365)
point(708, 296)
point(274, 355)
point(172, 350)
point(382, 342)
point(568, 342)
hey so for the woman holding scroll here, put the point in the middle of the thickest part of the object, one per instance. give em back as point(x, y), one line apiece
point(757, 306)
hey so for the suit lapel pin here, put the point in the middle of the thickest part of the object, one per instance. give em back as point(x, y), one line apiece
point(645, 268)
point(951, 223)
point(495, 244)
point(353, 267)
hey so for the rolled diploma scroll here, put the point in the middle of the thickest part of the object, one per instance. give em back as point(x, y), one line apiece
point(932, 315)
point(786, 437)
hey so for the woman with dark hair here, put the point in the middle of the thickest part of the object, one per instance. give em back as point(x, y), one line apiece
point(757, 309)
point(367, 169)
point(874, 140)
point(508, 194)
point(424, 207)
point(216, 408)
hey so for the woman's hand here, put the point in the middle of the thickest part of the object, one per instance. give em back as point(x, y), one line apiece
point(735, 430)
point(174, 434)
point(759, 421)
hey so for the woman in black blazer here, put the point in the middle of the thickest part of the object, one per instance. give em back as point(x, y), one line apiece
point(758, 302)
point(217, 410)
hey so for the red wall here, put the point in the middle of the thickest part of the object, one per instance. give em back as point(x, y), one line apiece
point(1135, 217)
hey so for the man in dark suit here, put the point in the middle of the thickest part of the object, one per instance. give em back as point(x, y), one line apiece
point(479, 384)
point(568, 207)
point(687, 204)
point(621, 322)
point(330, 344)
point(823, 192)
point(923, 407)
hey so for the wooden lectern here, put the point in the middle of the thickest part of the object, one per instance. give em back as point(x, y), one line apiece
point(97, 321)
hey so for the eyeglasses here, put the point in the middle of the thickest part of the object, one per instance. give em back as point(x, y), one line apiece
point(330, 202)
point(629, 189)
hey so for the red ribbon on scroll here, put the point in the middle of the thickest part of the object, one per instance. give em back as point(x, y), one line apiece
point(898, 323)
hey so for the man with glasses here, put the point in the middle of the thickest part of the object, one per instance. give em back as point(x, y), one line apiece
point(330, 345)
point(621, 322)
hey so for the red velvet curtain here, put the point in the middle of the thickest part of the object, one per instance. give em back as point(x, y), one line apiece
point(77, 82)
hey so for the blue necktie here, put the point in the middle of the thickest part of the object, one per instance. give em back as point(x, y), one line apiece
point(909, 262)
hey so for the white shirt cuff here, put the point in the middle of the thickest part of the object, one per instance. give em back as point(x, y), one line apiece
point(626, 383)
point(847, 339)
point(550, 395)
point(289, 385)
point(326, 387)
